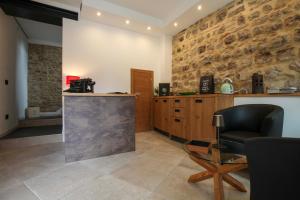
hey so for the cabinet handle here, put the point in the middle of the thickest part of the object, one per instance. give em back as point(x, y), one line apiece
point(165, 101)
point(177, 101)
point(177, 120)
point(198, 101)
point(177, 110)
point(156, 100)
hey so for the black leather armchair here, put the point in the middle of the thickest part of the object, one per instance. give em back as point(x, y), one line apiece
point(274, 165)
point(249, 121)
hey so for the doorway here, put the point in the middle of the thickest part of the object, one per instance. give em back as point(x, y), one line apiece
point(33, 68)
point(142, 86)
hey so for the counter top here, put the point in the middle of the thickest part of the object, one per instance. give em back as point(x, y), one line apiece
point(96, 95)
point(234, 95)
point(268, 95)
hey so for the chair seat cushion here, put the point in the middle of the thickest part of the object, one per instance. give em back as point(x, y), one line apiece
point(239, 136)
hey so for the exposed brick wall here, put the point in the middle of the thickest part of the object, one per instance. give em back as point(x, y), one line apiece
point(45, 77)
point(238, 40)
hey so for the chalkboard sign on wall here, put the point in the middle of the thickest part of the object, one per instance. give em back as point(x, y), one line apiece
point(207, 85)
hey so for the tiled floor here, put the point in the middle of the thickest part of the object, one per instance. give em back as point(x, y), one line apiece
point(158, 170)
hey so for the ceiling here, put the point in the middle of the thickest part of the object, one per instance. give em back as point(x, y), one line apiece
point(41, 33)
point(154, 8)
point(160, 15)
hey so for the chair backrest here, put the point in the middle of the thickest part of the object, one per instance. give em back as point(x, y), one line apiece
point(274, 166)
point(248, 117)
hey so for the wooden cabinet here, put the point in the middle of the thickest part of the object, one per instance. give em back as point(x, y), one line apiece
point(201, 118)
point(178, 127)
point(179, 116)
point(161, 113)
point(157, 114)
point(189, 117)
point(165, 115)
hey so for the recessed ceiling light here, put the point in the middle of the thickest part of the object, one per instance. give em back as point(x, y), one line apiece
point(175, 24)
point(200, 7)
point(149, 28)
point(98, 14)
point(127, 21)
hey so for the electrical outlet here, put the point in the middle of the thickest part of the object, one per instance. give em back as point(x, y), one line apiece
point(6, 82)
point(6, 116)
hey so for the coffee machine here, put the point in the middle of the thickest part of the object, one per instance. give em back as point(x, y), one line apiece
point(82, 86)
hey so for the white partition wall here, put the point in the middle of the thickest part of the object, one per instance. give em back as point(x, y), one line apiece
point(291, 106)
point(106, 54)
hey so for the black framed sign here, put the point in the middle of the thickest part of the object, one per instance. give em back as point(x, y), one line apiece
point(207, 85)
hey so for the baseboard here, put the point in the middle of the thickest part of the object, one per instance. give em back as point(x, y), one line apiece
point(9, 131)
point(40, 122)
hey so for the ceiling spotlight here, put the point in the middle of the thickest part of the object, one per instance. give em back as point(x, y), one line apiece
point(149, 28)
point(175, 24)
point(98, 14)
point(127, 21)
point(200, 7)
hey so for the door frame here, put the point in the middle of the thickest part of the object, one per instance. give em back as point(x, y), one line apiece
point(132, 70)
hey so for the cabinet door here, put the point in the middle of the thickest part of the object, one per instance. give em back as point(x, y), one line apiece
point(157, 113)
point(196, 119)
point(208, 110)
point(178, 127)
point(165, 115)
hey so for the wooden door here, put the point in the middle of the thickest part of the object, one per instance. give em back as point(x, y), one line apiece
point(157, 113)
point(142, 86)
point(196, 119)
point(208, 131)
point(178, 128)
point(165, 115)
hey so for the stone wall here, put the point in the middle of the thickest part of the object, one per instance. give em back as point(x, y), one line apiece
point(45, 77)
point(238, 40)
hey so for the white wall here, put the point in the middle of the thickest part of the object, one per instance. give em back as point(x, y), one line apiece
point(10, 39)
point(106, 54)
point(291, 106)
point(21, 74)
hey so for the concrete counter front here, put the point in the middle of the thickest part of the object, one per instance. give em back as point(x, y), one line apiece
point(98, 125)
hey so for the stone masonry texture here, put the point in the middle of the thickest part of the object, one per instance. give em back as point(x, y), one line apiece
point(45, 77)
point(244, 37)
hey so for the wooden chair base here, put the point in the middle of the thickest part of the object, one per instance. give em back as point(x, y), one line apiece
point(219, 173)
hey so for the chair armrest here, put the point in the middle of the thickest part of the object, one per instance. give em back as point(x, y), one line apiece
point(272, 125)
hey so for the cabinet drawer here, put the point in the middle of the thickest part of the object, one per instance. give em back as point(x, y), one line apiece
point(178, 102)
point(178, 127)
point(178, 112)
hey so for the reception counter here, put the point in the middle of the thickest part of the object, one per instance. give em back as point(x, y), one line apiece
point(98, 125)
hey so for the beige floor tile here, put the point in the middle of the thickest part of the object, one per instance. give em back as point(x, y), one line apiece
point(176, 187)
point(28, 153)
point(61, 181)
point(107, 165)
point(17, 193)
point(107, 188)
point(189, 163)
point(153, 196)
point(142, 177)
point(37, 167)
point(142, 147)
point(7, 180)
point(171, 158)
point(157, 170)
